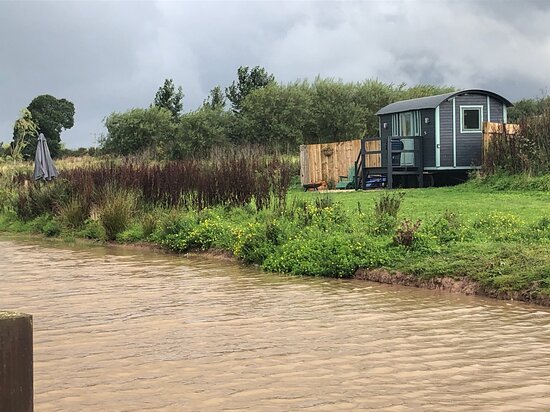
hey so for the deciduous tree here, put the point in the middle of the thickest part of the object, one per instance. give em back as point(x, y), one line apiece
point(169, 98)
point(52, 116)
point(247, 80)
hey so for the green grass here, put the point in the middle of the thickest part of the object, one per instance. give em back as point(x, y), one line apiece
point(471, 203)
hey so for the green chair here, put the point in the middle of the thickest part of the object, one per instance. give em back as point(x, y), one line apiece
point(347, 182)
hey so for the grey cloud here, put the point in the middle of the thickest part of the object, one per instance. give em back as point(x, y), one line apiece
point(112, 56)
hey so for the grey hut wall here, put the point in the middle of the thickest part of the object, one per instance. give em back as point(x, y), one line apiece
point(446, 134)
point(497, 110)
point(468, 145)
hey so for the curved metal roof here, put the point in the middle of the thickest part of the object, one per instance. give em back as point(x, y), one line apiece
point(431, 102)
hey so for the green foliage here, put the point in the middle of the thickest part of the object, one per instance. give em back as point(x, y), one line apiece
point(92, 229)
point(42, 198)
point(247, 80)
point(277, 116)
point(386, 208)
point(149, 223)
point(449, 227)
point(134, 233)
point(52, 116)
point(24, 130)
point(406, 233)
point(196, 134)
point(116, 210)
point(137, 130)
point(252, 244)
point(45, 225)
point(500, 226)
point(74, 212)
point(528, 108)
point(215, 100)
point(168, 98)
point(318, 253)
point(522, 151)
point(52, 228)
point(505, 182)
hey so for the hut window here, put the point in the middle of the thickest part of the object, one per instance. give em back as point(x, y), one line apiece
point(406, 124)
point(471, 118)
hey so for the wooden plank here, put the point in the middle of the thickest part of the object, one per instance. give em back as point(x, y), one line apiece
point(16, 362)
point(373, 160)
point(304, 165)
point(327, 161)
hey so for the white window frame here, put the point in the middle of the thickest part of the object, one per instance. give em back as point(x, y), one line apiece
point(471, 107)
point(398, 123)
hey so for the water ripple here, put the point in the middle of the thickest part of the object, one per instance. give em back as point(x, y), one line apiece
point(132, 330)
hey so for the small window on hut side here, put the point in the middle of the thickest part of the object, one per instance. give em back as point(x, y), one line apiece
point(471, 118)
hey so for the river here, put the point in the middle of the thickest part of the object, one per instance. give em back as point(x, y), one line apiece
point(121, 329)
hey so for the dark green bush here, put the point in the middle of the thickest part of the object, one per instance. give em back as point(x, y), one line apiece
point(92, 229)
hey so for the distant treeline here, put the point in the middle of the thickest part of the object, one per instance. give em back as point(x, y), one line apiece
point(255, 110)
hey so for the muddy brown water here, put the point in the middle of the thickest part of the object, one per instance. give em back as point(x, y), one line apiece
point(133, 330)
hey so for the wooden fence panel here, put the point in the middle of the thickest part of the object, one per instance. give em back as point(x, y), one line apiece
point(375, 159)
point(328, 161)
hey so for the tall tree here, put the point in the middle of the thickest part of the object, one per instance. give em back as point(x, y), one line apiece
point(52, 116)
point(247, 80)
point(168, 98)
point(215, 100)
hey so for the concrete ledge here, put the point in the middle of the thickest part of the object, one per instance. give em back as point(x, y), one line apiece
point(16, 362)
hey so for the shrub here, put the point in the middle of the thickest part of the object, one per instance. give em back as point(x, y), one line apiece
point(318, 253)
point(405, 234)
point(173, 231)
point(92, 229)
point(116, 210)
point(251, 243)
point(52, 228)
point(133, 233)
point(388, 204)
point(386, 209)
point(42, 198)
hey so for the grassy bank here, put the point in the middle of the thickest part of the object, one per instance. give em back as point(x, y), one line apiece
point(497, 238)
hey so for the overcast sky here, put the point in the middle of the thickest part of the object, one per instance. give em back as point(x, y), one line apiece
point(113, 56)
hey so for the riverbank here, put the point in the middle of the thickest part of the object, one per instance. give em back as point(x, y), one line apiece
point(495, 239)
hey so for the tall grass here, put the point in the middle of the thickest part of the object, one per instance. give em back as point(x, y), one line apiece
point(527, 151)
point(117, 207)
point(234, 179)
point(229, 178)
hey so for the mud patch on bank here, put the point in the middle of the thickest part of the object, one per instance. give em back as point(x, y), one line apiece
point(448, 284)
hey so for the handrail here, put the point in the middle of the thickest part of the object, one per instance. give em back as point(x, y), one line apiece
point(387, 149)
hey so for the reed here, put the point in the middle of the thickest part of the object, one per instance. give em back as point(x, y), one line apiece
point(527, 151)
point(234, 177)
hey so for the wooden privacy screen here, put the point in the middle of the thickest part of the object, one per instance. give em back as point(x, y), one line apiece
point(329, 161)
